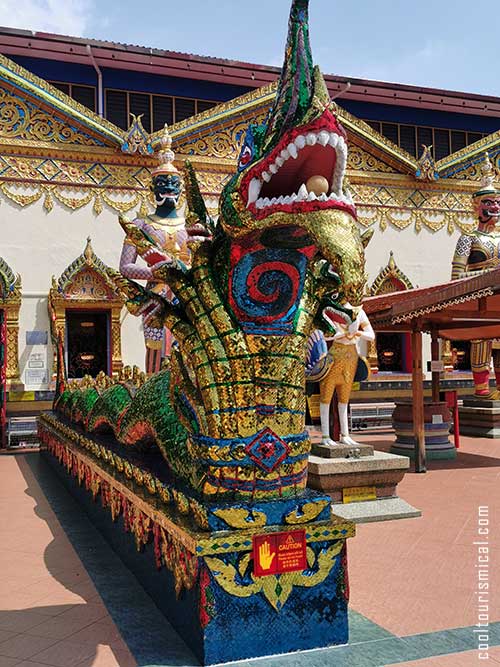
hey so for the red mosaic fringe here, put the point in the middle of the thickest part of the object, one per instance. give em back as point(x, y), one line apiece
point(168, 552)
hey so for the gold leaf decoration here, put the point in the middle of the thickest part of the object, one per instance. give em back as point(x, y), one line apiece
point(307, 512)
point(229, 576)
point(241, 518)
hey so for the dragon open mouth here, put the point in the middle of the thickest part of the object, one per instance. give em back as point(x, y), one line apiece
point(336, 315)
point(303, 173)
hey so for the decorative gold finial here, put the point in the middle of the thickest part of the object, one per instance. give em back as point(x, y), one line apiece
point(165, 155)
point(488, 175)
point(392, 262)
point(88, 253)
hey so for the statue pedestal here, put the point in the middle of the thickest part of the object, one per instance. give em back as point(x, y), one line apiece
point(341, 451)
point(209, 583)
point(480, 417)
point(437, 418)
point(361, 488)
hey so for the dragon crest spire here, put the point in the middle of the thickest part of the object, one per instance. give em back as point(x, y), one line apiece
point(296, 84)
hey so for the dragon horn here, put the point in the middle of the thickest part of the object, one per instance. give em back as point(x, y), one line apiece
point(195, 203)
point(296, 84)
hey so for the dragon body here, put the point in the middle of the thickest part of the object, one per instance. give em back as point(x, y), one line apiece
point(229, 413)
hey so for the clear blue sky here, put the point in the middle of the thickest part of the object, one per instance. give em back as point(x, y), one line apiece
point(445, 44)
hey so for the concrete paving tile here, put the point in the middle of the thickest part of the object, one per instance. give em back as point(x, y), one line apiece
point(24, 646)
point(65, 654)
point(20, 620)
point(58, 627)
point(99, 632)
point(91, 611)
point(106, 656)
point(8, 662)
point(6, 634)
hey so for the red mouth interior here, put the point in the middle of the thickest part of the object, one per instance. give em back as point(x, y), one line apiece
point(311, 161)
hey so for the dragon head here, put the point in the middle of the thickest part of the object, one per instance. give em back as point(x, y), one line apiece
point(291, 169)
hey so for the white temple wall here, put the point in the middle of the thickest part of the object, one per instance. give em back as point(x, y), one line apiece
point(38, 245)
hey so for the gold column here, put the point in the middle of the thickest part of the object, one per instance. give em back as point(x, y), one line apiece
point(447, 356)
point(372, 355)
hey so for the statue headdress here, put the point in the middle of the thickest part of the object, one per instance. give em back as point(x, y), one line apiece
point(165, 155)
point(489, 174)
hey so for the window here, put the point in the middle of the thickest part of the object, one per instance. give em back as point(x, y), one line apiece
point(184, 109)
point(390, 131)
point(163, 111)
point(407, 138)
point(140, 105)
point(85, 95)
point(156, 110)
point(412, 137)
point(117, 108)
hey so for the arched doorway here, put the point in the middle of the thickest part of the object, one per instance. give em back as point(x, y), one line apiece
point(390, 352)
point(85, 307)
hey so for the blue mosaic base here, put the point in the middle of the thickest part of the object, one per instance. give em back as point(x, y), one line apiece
point(234, 627)
point(250, 627)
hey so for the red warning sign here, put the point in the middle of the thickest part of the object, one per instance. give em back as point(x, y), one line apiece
point(278, 553)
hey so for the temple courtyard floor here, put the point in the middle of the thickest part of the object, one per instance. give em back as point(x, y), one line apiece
point(66, 600)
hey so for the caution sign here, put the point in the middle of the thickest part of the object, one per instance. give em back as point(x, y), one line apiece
point(279, 553)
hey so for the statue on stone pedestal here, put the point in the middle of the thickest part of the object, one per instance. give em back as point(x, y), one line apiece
point(336, 369)
point(340, 378)
point(474, 254)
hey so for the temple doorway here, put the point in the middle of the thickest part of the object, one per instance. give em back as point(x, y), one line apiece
point(87, 343)
point(390, 352)
point(460, 355)
point(394, 353)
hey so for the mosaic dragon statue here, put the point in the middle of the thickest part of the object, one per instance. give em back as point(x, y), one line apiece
point(229, 412)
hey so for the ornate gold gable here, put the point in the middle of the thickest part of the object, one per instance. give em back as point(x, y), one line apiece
point(86, 284)
point(62, 153)
point(10, 302)
point(390, 279)
point(58, 151)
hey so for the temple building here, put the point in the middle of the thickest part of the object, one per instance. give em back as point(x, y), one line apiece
point(79, 123)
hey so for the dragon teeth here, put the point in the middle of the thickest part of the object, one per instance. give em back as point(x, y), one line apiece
point(303, 193)
point(254, 190)
point(323, 137)
point(300, 141)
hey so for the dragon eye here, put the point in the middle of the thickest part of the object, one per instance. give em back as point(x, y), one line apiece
point(245, 157)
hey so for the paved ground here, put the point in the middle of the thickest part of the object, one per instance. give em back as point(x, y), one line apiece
point(67, 601)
